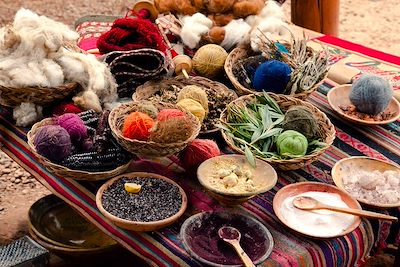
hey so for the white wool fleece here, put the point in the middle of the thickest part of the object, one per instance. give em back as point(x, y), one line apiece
point(193, 28)
point(27, 114)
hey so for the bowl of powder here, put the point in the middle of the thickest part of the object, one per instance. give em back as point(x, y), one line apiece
point(231, 179)
point(141, 201)
point(371, 181)
point(316, 223)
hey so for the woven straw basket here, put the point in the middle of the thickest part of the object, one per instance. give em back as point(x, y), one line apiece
point(147, 148)
point(13, 97)
point(240, 53)
point(66, 172)
point(326, 131)
point(152, 88)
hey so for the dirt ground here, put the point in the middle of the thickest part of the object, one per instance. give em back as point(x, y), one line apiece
point(373, 23)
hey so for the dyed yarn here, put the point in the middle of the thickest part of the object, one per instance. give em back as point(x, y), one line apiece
point(173, 130)
point(193, 107)
point(74, 126)
point(272, 76)
point(53, 142)
point(130, 34)
point(137, 126)
point(371, 94)
point(302, 120)
point(198, 151)
point(209, 60)
point(66, 108)
point(196, 93)
point(169, 113)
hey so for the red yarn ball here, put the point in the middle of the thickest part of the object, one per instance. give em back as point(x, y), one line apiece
point(197, 151)
point(74, 126)
point(66, 108)
point(137, 126)
point(130, 34)
point(169, 113)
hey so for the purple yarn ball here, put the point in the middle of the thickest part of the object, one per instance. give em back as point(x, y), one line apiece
point(272, 76)
point(74, 126)
point(53, 142)
point(371, 94)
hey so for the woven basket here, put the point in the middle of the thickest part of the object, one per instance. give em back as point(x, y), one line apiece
point(147, 148)
point(326, 131)
point(13, 97)
point(152, 88)
point(66, 172)
point(240, 53)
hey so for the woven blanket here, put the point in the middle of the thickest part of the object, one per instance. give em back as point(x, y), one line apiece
point(164, 248)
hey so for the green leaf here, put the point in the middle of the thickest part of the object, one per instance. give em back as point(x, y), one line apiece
point(272, 132)
point(256, 134)
point(223, 127)
point(250, 156)
point(265, 117)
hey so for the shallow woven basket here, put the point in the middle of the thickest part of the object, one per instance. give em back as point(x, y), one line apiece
point(240, 53)
point(148, 148)
point(13, 97)
point(326, 131)
point(66, 172)
point(151, 88)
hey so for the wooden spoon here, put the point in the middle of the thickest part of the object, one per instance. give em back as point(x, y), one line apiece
point(309, 203)
point(232, 236)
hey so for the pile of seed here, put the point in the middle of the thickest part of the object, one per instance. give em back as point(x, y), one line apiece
point(157, 200)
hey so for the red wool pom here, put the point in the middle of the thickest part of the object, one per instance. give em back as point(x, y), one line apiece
point(169, 113)
point(197, 151)
point(137, 126)
point(130, 34)
point(66, 108)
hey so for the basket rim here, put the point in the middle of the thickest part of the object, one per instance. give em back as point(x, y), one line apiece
point(118, 132)
point(31, 135)
point(330, 136)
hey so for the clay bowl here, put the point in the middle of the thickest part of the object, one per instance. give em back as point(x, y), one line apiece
point(303, 187)
point(343, 167)
point(140, 226)
point(199, 235)
point(63, 230)
point(339, 97)
point(264, 177)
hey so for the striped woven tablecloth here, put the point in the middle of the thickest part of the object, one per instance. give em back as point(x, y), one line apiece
point(164, 248)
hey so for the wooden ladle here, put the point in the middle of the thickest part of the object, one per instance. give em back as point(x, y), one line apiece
point(309, 203)
point(232, 236)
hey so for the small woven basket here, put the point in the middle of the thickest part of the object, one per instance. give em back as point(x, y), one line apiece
point(66, 172)
point(154, 87)
point(148, 148)
point(240, 53)
point(326, 131)
point(13, 97)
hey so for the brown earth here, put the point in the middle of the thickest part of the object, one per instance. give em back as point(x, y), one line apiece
point(373, 23)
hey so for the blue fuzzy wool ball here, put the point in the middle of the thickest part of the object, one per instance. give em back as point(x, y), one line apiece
point(272, 76)
point(371, 94)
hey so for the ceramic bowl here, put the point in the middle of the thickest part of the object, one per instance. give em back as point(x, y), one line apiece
point(264, 177)
point(140, 226)
point(339, 97)
point(343, 166)
point(199, 234)
point(292, 190)
point(62, 229)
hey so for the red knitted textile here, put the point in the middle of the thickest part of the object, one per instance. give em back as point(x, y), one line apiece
point(129, 34)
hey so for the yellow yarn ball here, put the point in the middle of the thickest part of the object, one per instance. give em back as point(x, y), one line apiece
point(209, 60)
point(196, 93)
point(193, 107)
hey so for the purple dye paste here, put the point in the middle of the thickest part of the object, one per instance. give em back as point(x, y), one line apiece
point(206, 243)
point(228, 233)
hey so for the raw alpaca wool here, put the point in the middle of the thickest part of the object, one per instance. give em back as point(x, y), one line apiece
point(193, 28)
point(26, 114)
point(235, 33)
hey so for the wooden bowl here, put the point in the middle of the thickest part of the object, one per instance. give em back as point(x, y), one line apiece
point(256, 240)
point(140, 226)
point(62, 229)
point(302, 187)
point(342, 167)
point(264, 177)
point(339, 97)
